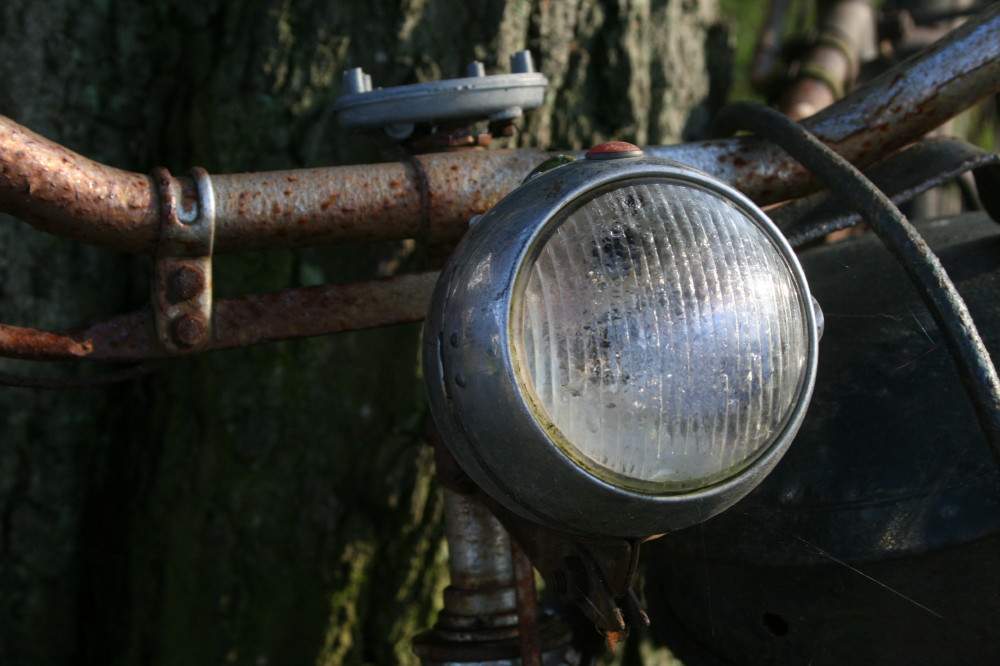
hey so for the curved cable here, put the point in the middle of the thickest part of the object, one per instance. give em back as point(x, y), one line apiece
point(900, 238)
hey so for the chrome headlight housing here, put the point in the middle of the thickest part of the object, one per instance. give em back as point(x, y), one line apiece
point(620, 347)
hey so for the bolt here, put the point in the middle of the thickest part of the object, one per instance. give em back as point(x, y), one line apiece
point(188, 330)
point(521, 63)
point(475, 68)
point(185, 283)
point(356, 81)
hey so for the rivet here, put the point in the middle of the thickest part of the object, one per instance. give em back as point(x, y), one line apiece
point(188, 330)
point(185, 283)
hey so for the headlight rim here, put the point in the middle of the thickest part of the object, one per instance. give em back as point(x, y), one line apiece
point(567, 496)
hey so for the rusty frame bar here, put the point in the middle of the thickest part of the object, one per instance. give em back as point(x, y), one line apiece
point(878, 118)
point(239, 322)
point(530, 634)
point(432, 197)
point(846, 36)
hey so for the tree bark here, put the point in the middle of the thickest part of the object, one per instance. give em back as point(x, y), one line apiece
point(273, 505)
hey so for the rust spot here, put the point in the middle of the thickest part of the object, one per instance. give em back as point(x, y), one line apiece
point(275, 208)
point(288, 193)
point(612, 638)
point(739, 161)
point(291, 180)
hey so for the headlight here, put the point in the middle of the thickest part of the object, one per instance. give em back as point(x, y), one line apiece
point(620, 347)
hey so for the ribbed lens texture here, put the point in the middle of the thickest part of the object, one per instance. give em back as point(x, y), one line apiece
point(664, 334)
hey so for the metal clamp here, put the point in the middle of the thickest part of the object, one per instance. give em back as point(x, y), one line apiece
point(182, 268)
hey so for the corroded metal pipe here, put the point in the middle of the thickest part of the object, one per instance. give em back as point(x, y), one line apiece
point(238, 322)
point(430, 197)
point(433, 196)
point(63, 193)
point(880, 117)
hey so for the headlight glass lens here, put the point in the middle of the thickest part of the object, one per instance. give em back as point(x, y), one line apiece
point(660, 336)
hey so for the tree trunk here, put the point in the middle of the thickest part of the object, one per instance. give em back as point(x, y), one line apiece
point(273, 505)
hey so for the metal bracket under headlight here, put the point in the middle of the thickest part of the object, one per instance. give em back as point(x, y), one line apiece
point(620, 347)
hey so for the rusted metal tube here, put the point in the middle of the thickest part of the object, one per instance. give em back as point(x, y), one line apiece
point(63, 193)
point(430, 197)
point(238, 322)
point(481, 568)
point(479, 623)
point(527, 608)
point(846, 38)
point(885, 114)
point(433, 196)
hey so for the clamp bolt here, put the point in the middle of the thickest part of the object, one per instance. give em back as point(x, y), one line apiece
point(188, 330)
point(185, 283)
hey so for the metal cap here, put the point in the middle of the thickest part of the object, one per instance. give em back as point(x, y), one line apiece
point(613, 150)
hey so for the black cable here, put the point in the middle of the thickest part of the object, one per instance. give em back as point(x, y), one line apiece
point(900, 238)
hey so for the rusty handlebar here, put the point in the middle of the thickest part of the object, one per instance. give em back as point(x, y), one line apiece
point(428, 197)
point(432, 197)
